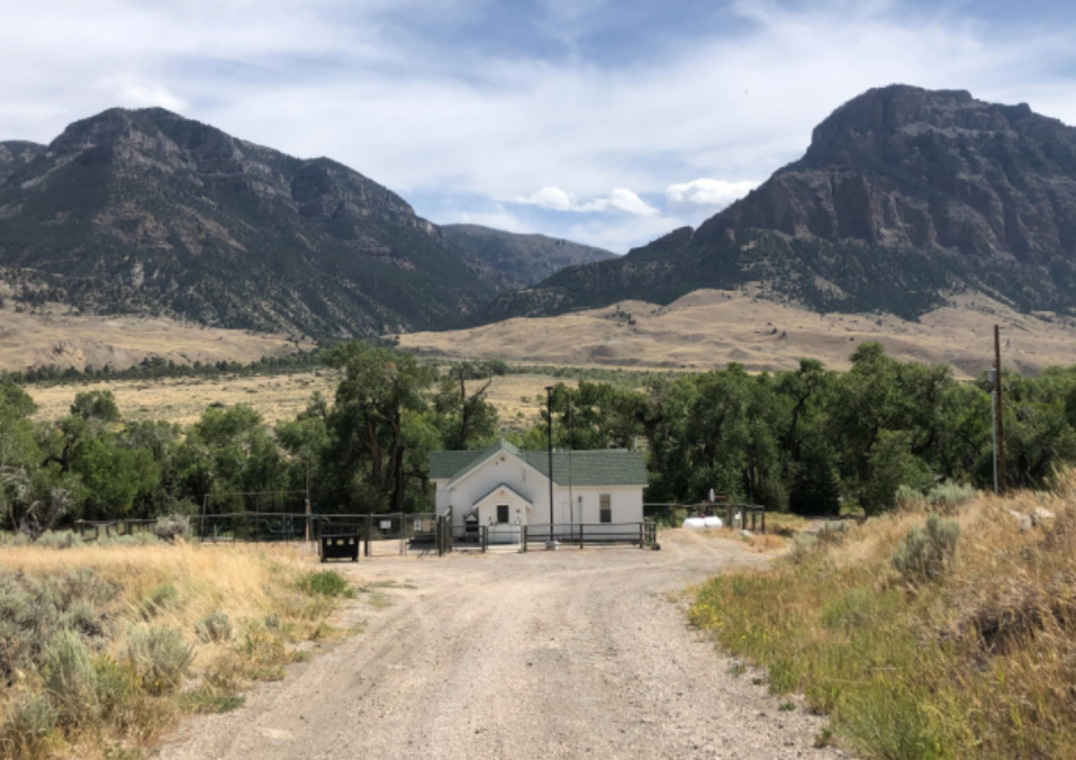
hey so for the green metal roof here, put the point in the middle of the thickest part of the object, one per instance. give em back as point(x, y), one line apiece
point(604, 467)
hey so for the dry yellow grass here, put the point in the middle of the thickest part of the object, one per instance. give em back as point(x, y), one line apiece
point(276, 397)
point(710, 328)
point(232, 578)
point(176, 587)
point(54, 336)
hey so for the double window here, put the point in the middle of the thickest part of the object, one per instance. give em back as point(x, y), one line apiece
point(605, 502)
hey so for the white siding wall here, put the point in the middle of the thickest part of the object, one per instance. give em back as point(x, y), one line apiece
point(503, 468)
point(626, 501)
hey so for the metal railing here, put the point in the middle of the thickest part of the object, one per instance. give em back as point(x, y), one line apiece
point(642, 534)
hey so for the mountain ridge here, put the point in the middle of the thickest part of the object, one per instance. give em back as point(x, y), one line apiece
point(526, 258)
point(904, 195)
point(145, 211)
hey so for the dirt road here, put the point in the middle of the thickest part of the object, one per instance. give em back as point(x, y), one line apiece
point(563, 654)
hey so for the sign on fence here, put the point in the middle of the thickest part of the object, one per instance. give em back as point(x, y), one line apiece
point(386, 525)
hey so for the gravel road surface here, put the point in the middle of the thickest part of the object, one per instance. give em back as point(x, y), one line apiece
point(568, 654)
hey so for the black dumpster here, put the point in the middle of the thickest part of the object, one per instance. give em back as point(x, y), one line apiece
point(340, 547)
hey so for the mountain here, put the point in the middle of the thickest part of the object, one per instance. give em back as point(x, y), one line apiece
point(904, 197)
point(145, 211)
point(15, 154)
point(527, 259)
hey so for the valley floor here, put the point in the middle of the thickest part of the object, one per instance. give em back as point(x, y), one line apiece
point(543, 655)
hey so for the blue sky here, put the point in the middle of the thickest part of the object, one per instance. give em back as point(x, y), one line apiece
point(606, 122)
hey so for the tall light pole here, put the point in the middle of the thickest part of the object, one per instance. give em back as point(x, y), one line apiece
point(997, 407)
point(571, 504)
point(552, 543)
point(992, 375)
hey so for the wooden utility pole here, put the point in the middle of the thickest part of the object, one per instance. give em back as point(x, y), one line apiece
point(997, 401)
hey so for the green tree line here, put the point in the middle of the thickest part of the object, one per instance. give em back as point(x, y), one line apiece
point(810, 440)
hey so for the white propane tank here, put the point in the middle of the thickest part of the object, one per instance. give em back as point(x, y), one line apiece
point(694, 522)
point(712, 522)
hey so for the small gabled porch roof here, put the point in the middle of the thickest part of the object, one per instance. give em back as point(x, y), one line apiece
point(501, 490)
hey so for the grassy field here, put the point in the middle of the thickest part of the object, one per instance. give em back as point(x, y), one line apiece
point(104, 648)
point(276, 397)
point(914, 652)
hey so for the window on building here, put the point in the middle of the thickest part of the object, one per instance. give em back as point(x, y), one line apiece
point(502, 514)
point(606, 504)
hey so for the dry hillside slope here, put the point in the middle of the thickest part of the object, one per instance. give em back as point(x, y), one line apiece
point(710, 328)
point(54, 336)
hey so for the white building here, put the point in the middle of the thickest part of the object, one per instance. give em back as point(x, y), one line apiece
point(505, 488)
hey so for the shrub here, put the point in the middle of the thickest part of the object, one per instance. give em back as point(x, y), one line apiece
point(214, 627)
point(924, 555)
point(70, 679)
point(909, 498)
point(60, 539)
point(833, 533)
point(946, 498)
point(33, 611)
point(325, 583)
point(29, 721)
point(803, 545)
point(159, 656)
point(172, 527)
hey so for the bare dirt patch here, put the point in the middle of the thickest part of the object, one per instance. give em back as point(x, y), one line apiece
point(567, 654)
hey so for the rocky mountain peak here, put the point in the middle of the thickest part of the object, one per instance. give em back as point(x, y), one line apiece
point(903, 196)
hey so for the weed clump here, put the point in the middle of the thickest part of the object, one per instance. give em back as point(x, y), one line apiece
point(924, 555)
point(214, 627)
point(324, 583)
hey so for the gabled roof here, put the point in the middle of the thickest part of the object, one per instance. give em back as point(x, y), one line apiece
point(504, 487)
point(603, 467)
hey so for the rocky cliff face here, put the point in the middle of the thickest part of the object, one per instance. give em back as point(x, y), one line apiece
point(904, 194)
point(148, 211)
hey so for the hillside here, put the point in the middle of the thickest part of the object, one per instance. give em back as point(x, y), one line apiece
point(710, 328)
point(148, 212)
point(527, 259)
point(15, 154)
point(903, 196)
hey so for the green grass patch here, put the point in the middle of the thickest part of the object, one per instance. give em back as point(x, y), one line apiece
point(917, 639)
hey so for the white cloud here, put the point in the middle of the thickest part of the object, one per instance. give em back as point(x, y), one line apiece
point(135, 92)
point(709, 192)
point(500, 220)
point(334, 78)
point(620, 199)
point(552, 198)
